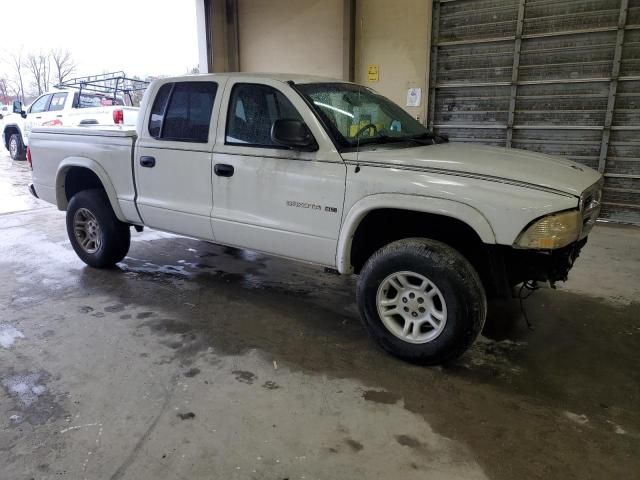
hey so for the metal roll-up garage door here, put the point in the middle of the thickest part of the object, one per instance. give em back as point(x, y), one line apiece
point(558, 77)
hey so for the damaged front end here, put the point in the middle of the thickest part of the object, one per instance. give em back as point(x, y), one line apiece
point(541, 265)
point(546, 250)
point(511, 266)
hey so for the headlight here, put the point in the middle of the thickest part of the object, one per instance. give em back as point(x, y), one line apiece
point(553, 231)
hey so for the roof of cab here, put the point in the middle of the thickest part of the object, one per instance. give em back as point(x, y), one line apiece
point(282, 77)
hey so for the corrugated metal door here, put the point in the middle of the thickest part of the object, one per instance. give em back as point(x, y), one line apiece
point(559, 77)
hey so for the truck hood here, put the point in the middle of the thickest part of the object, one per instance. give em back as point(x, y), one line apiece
point(531, 169)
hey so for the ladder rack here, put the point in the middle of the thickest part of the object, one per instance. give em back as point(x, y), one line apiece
point(108, 85)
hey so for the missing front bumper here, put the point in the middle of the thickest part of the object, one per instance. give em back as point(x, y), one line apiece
point(540, 265)
point(510, 266)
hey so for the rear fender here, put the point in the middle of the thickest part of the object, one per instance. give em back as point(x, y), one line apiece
point(92, 165)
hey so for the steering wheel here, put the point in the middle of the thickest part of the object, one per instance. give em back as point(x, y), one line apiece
point(368, 126)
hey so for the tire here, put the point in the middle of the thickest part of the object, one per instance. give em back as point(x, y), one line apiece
point(437, 322)
point(106, 239)
point(16, 147)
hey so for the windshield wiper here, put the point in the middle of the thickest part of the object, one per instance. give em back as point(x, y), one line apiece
point(429, 138)
point(381, 139)
point(426, 138)
point(422, 141)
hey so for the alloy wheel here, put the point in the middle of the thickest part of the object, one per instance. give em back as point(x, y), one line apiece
point(87, 230)
point(411, 307)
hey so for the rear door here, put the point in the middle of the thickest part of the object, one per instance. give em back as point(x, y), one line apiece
point(271, 198)
point(173, 158)
point(54, 114)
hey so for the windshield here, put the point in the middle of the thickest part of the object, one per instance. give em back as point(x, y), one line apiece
point(358, 116)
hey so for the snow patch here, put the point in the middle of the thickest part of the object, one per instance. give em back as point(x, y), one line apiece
point(619, 430)
point(26, 387)
point(8, 335)
point(580, 419)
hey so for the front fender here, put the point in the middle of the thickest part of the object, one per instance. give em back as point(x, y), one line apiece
point(5, 138)
point(95, 167)
point(416, 203)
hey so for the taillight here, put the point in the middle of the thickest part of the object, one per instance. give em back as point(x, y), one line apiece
point(118, 117)
point(29, 158)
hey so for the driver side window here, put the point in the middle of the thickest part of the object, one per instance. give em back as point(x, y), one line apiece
point(40, 105)
point(253, 109)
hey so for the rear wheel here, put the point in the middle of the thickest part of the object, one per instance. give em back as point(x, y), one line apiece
point(96, 234)
point(16, 147)
point(421, 300)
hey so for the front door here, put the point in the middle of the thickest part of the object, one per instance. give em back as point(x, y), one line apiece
point(270, 198)
point(37, 114)
point(173, 159)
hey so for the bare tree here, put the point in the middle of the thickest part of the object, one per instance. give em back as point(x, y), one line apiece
point(16, 84)
point(63, 63)
point(4, 91)
point(39, 65)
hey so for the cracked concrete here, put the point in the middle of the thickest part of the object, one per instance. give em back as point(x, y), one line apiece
point(194, 361)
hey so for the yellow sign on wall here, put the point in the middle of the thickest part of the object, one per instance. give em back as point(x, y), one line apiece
point(372, 73)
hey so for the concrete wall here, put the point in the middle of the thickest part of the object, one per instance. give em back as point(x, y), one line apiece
point(201, 28)
point(396, 37)
point(304, 36)
point(317, 37)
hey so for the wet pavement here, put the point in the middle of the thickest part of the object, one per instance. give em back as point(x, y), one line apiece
point(195, 361)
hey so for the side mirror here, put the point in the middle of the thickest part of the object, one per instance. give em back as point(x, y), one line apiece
point(293, 134)
point(17, 108)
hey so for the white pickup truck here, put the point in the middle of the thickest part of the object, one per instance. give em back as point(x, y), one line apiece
point(331, 173)
point(4, 111)
point(62, 107)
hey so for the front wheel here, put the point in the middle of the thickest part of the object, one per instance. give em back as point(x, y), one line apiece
point(16, 147)
point(96, 234)
point(421, 301)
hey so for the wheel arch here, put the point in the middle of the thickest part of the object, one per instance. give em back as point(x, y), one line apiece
point(80, 173)
point(418, 205)
point(10, 129)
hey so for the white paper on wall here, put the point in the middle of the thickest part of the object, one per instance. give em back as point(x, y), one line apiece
point(414, 96)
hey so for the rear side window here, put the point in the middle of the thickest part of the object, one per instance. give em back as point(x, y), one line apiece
point(182, 112)
point(92, 100)
point(57, 102)
point(157, 112)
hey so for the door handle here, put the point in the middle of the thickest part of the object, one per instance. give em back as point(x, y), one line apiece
point(148, 162)
point(223, 170)
point(38, 117)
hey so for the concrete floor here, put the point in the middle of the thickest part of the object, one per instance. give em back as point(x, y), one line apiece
point(193, 361)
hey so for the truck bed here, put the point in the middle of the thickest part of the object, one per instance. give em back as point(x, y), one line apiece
point(108, 150)
point(92, 130)
point(102, 115)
